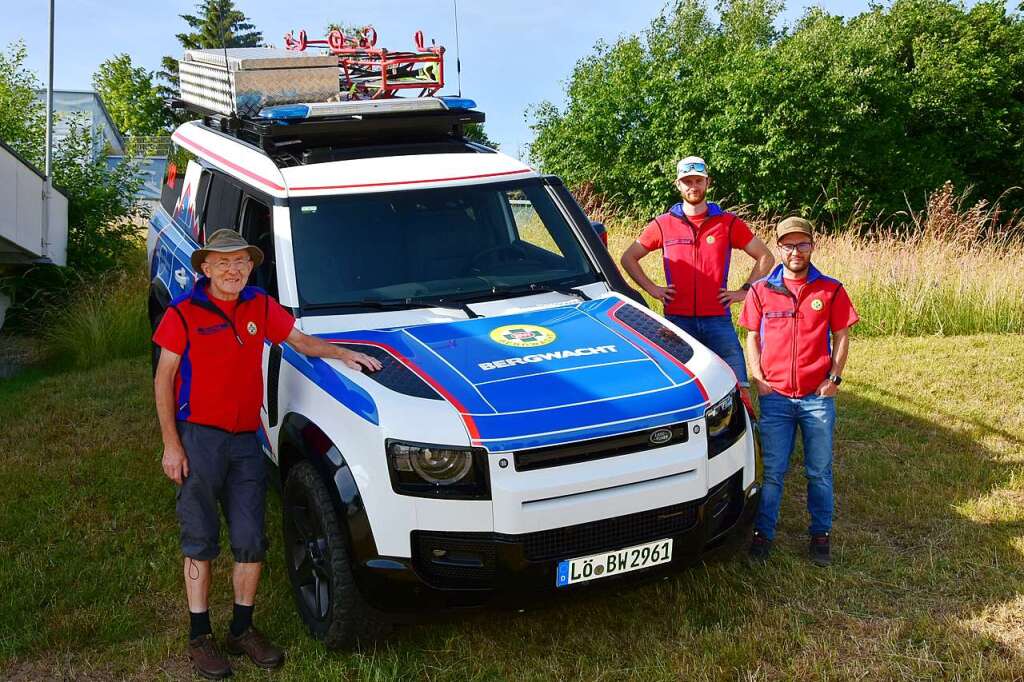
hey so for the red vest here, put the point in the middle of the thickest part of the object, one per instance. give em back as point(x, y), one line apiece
point(220, 379)
point(697, 259)
point(796, 330)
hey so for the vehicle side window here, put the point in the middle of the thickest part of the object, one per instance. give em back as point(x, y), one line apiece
point(256, 228)
point(170, 191)
point(174, 177)
point(223, 201)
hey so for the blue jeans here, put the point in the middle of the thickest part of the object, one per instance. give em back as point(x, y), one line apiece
point(717, 333)
point(780, 416)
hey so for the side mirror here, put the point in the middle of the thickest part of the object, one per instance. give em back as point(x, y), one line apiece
point(601, 231)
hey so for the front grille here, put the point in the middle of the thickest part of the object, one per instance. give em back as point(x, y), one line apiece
point(393, 374)
point(608, 534)
point(599, 448)
point(469, 560)
point(655, 332)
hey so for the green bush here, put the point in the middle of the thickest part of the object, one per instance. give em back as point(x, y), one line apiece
point(826, 116)
point(103, 320)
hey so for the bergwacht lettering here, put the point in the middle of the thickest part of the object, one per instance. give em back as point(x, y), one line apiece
point(546, 356)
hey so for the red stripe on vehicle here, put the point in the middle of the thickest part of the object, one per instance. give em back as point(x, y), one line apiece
point(474, 433)
point(674, 360)
point(200, 149)
point(413, 182)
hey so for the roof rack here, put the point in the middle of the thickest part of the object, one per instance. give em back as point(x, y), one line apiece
point(289, 132)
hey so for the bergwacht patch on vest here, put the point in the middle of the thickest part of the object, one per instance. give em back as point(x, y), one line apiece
point(711, 239)
point(816, 304)
point(251, 328)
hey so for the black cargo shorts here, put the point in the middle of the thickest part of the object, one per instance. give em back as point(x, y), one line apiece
point(226, 469)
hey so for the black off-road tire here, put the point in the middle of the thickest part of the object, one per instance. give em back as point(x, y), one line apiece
point(346, 619)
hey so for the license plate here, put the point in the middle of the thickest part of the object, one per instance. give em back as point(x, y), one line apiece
point(596, 566)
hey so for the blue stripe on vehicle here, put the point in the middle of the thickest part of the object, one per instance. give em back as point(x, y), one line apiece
point(346, 392)
point(586, 433)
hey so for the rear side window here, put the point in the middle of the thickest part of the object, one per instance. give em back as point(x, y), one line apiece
point(223, 201)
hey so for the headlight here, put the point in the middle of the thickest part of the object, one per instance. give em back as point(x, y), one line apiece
point(726, 422)
point(719, 415)
point(426, 470)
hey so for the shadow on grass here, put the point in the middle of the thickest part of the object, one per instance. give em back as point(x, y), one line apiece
point(927, 568)
point(917, 564)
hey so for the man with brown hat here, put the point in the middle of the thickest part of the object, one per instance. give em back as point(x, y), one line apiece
point(798, 338)
point(209, 390)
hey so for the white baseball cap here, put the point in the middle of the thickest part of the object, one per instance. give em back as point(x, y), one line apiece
point(691, 165)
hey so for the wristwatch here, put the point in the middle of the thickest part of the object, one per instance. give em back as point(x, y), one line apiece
point(746, 286)
point(835, 379)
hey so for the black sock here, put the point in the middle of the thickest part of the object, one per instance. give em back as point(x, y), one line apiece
point(199, 624)
point(241, 620)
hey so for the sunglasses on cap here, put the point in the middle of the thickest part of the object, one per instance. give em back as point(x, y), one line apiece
point(693, 166)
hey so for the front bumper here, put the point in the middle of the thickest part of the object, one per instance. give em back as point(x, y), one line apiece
point(463, 570)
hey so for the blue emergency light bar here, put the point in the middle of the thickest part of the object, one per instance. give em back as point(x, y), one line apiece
point(300, 112)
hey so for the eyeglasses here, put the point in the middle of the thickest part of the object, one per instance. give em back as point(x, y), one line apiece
point(693, 166)
point(226, 265)
point(802, 247)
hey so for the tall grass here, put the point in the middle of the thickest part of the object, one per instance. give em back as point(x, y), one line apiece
point(103, 320)
point(948, 270)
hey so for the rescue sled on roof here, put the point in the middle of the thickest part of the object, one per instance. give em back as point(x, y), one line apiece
point(368, 71)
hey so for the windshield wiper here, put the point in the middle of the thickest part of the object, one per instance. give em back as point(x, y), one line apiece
point(395, 304)
point(530, 289)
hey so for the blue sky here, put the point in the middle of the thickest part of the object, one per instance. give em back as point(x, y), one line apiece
point(514, 54)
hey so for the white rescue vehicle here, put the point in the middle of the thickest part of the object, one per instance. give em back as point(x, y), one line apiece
point(535, 428)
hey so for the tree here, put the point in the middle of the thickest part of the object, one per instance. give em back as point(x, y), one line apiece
point(475, 132)
point(130, 97)
point(216, 23)
point(820, 117)
point(22, 114)
point(101, 201)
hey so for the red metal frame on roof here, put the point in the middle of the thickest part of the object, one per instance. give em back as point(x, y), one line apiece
point(368, 71)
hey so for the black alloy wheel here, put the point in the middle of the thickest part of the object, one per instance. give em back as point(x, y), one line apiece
point(319, 567)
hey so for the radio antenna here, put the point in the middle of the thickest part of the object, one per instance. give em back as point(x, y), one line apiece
point(458, 50)
point(227, 67)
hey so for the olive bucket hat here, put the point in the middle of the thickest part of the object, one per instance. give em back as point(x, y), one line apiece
point(225, 241)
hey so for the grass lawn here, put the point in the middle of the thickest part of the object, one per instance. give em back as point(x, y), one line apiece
point(929, 540)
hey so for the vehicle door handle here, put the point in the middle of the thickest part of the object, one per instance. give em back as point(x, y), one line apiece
point(181, 277)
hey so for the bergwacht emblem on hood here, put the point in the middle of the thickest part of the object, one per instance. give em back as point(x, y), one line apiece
point(523, 335)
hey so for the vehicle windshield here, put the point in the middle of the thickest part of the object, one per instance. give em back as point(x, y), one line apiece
point(458, 244)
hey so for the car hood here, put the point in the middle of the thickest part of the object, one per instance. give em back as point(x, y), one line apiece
point(544, 377)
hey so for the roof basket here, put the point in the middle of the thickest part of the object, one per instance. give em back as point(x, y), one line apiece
point(370, 72)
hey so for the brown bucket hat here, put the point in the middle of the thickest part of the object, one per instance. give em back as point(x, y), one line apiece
point(225, 241)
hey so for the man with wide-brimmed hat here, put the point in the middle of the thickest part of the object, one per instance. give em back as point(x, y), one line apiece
point(209, 390)
point(798, 333)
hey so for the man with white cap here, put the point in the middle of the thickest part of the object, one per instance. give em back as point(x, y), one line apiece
point(209, 390)
point(696, 239)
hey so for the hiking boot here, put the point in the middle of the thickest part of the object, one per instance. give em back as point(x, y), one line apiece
point(821, 550)
point(256, 646)
point(207, 660)
point(760, 548)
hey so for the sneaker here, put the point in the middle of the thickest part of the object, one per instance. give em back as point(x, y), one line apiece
point(821, 551)
point(207, 660)
point(760, 548)
point(256, 646)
